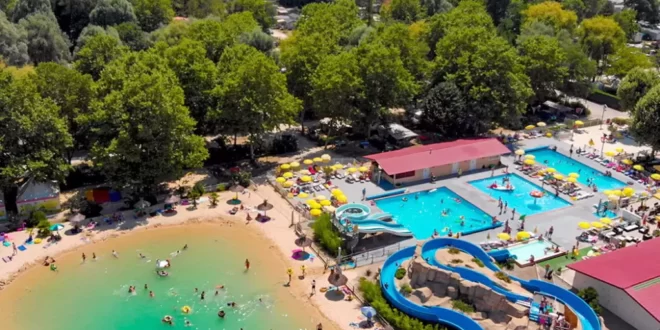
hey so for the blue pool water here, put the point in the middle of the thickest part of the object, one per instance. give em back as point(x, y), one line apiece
point(537, 248)
point(565, 165)
point(423, 214)
point(519, 198)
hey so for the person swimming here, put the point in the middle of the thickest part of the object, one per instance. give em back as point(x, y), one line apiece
point(405, 199)
point(142, 256)
point(221, 314)
point(151, 294)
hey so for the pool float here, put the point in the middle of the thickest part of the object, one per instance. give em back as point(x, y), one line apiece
point(536, 194)
point(53, 267)
point(163, 273)
point(324, 290)
point(167, 318)
point(186, 309)
point(162, 263)
point(37, 241)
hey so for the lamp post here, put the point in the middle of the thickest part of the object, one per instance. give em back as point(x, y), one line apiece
point(602, 118)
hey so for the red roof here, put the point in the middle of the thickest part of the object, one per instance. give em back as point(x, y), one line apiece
point(626, 269)
point(438, 154)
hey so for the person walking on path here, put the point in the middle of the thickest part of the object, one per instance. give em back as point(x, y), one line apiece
point(313, 288)
point(14, 248)
point(364, 193)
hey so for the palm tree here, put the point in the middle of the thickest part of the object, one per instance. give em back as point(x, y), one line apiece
point(214, 199)
point(193, 196)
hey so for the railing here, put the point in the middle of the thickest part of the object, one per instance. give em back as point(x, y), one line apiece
point(370, 257)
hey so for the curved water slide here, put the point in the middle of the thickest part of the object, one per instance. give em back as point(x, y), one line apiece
point(588, 318)
point(364, 211)
point(370, 223)
point(378, 226)
point(442, 315)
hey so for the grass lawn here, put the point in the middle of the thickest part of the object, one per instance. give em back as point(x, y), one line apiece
point(562, 261)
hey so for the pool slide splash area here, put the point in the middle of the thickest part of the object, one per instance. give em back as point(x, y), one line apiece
point(587, 317)
point(360, 215)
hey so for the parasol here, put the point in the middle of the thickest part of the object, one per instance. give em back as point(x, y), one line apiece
point(77, 218)
point(265, 206)
point(237, 188)
point(368, 312)
point(304, 242)
point(336, 278)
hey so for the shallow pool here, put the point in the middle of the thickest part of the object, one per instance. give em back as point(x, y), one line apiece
point(523, 252)
point(519, 198)
point(440, 209)
point(565, 165)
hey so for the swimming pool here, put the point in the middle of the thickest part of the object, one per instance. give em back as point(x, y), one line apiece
point(519, 198)
point(436, 209)
point(566, 165)
point(523, 252)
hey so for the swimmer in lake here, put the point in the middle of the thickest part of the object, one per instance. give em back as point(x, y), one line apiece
point(142, 256)
point(94, 255)
point(203, 294)
point(221, 314)
point(188, 323)
point(146, 287)
point(216, 292)
point(185, 247)
point(151, 294)
point(114, 254)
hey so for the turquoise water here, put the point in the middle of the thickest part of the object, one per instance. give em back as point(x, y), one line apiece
point(423, 214)
point(536, 248)
point(519, 198)
point(94, 295)
point(566, 165)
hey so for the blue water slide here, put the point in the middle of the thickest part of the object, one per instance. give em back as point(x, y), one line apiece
point(500, 255)
point(428, 253)
point(379, 216)
point(378, 226)
point(441, 315)
point(588, 318)
point(340, 212)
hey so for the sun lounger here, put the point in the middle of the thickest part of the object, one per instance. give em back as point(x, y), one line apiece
point(7, 259)
point(629, 239)
point(630, 227)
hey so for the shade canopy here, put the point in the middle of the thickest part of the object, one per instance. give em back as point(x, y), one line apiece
point(304, 242)
point(342, 199)
point(638, 167)
point(578, 123)
point(655, 176)
point(368, 312)
point(530, 157)
point(530, 127)
point(520, 152)
point(287, 184)
point(306, 178)
point(315, 212)
point(574, 175)
point(571, 179)
point(522, 235)
point(285, 166)
point(363, 169)
point(287, 175)
point(606, 220)
point(295, 164)
point(303, 195)
point(550, 170)
point(627, 161)
point(597, 224)
point(529, 162)
point(237, 188)
point(540, 124)
point(584, 225)
point(558, 177)
point(352, 170)
point(610, 153)
point(336, 278)
point(265, 206)
point(308, 162)
point(280, 179)
point(504, 236)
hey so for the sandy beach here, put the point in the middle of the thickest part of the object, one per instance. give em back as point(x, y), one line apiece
point(276, 236)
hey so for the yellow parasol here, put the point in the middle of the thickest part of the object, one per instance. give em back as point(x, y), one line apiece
point(574, 175)
point(540, 124)
point(326, 158)
point(315, 206)
point(558, 177)
point(320, 198)
point(504, 236)
point(280, 180)
point(571, 179)
point(352, 170)
point(610, 153)
point(529, 162)
point(597, 224)
point(329, 209)
point(317, 160)
point(308, 162)
point(342, 199)
point(310, 201)
point(520, 152)
point(591, 142)
point(336, 192)
point(304, 172)
point(606, 220)
point(315, 212)
point(523, 235)
point(619, 150)
point(306, 178)
point(655, 176)
point(303, 195)
point(578, 123)
point(363, 169)
point(584, 225)
point(530, 157)
point(638, 167)
point(613, 198)
point(285, 166)
point(295, 164)
point(550, 170)
point(287, 184)
point(325, 202)
point(628, 192)
point(530, 127)
point(287, 175)
point(627, 161)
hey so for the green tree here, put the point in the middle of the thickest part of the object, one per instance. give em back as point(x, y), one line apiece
point(335, 21)
point(93, 30)
point(73, 15)
point(551, 13)
point(445, 112)
point(24, 8)
point(170, 34)
point(627, 20)
point(543, 59)
point(647, 10)
point(646, 119)
point(132, 36)
point(112, 12)
point(144, 133)
point(467, 14)
point(13, 42)
point(411, 46)
point(601, 36)
point(580, 70)
point(34, 137)
point(576, 6)
point(252, 93)
point(635, 85)
point(432, 7)
point(199, 8)
point(196, 74)
point(407, 11)
point(151, 14)
point(386, 82)
point(46, 42)
point(509, 27)
point(73, 93)
point(626, 59)
point(263, 11)
point(258, 39)
point(217, 35)
point(97, 53)
point(497, 9)
point(337, 89)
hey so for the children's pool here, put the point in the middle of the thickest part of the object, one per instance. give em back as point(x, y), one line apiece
point(523, 252)
point(436, 209)
point(520, 198)
point(566, 165)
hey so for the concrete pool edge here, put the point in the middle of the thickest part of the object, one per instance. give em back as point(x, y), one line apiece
point(544, 258)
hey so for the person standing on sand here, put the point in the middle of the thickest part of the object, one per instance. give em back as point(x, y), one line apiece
point(247, 264)
point(13, 246)
point(364, 193)
point(94, 255)
point(84, 257)
point(313, 288)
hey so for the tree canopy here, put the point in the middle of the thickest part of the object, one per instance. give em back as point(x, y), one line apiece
point(45, 40)
point(551, 13)
point(635, 85)
point(646, 119)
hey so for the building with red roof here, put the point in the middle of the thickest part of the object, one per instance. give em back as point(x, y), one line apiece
point(420, 163)
point(627, 281)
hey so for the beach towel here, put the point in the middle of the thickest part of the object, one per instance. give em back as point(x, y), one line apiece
point(22, 248)
point(6, 259)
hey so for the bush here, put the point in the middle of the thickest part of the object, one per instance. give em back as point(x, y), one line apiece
point(462, 306)
point(284, 144)
point(326, 234)
point(621, 121)
point(453, 250)
point(400, 273)
point(34, 217)
point(656, 233)
point(242, 177)
point(508, 264)
point(406, 289)
point(590, 295)
point(44, 228)
point(456, 261)
point(373, 295)
point(221, 187)
point(199, 189)
point(502, 276)
point(478, 262)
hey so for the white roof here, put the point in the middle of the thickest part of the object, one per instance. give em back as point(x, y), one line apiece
point(400, 132)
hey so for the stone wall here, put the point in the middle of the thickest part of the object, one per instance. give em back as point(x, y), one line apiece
point(427, 280)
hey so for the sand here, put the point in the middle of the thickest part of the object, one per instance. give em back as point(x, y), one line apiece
point(277, 235)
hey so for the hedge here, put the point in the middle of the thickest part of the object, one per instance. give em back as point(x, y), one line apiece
point(327, 235)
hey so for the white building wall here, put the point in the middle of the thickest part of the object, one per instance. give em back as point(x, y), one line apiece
point(618, 302)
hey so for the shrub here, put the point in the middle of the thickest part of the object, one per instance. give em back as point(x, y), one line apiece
point(508, 264)
point(456, 261)
point(406, 289)
point(221, 187)
point(214, 198)
point(478, 262)
point(326, 234)
point(502, 276)
point(44, 228)
point(621, 121)
point(462, 306)
point(590, 295)
point(656, 233)
point(34, 217)
point(400, 273)
point(285, 143)
point(373, 295)
point(453, 250)
point(242, 177)
point(199, 188)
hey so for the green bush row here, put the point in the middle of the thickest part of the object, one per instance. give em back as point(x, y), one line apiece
point(327, 235)
point(374, 296)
